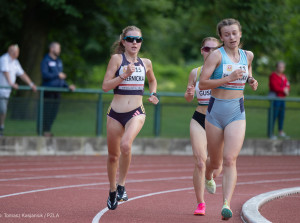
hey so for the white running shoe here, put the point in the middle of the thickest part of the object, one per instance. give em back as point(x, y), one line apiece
point(210, 186)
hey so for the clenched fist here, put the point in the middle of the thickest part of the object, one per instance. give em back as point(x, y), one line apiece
point(237, 74)
point(253, 83)
point(190, 90)
point(130, 70)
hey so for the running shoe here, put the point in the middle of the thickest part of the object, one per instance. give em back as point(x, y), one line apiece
point(122, 195)
point(112, 202)
point(226, 211)
point(200, 209)
point(210, 186)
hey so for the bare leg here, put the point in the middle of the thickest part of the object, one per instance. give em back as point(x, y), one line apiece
point(132, 129)
point(234, 138)
point(114, 133)
point(215, 141)
point(218, 171)
point(199, 145)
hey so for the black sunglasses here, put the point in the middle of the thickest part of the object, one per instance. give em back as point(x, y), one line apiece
point(131, 39)
point(208, 49)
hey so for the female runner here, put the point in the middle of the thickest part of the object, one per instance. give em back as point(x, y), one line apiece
point(197, 125)
point(126, 115)
point(226, 71)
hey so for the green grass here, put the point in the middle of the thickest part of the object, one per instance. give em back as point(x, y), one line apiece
point(78, 118)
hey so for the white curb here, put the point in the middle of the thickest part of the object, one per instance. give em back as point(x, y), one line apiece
point(250, 210)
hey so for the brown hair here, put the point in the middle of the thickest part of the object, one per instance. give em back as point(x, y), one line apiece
point(118, 47)
point(227, 22)
point(209, 39)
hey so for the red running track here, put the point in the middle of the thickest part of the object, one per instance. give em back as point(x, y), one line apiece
point(75, 188)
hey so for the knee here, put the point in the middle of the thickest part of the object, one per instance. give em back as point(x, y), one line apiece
point(200, 163)
point(113, 158)
point(125, 148)
point(215, 165)
point(229, 161)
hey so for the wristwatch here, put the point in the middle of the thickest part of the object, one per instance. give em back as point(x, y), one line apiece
point(153, 93)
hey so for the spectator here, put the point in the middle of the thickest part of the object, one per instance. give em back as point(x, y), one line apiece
point(10, 70)
point(53, 76)
point(280, 87)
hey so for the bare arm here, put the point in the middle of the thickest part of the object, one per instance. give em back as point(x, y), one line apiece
point(252, 82)
point(151, 80)
point(190, 90)
point(110, 81)
point(211, 63)
point(13, 85)
point(28, 81)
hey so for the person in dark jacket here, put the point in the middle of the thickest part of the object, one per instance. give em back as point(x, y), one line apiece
point(52, 76)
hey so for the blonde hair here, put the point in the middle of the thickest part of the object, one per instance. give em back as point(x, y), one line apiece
point(117, 47)
point(210, 39)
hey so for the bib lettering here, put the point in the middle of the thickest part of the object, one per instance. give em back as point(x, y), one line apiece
point(135, 81)
point(239, 83)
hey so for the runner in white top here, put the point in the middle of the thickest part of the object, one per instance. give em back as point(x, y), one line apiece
point(197, 125)
point(10, 69)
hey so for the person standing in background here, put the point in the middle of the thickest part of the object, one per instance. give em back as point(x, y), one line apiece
point(52, 76)
point(280, 87)
point(10, 70)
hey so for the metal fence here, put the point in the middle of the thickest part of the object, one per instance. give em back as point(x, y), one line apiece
point(83, 113)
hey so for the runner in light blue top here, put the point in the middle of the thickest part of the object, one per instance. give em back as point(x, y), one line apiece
point(227, 67)
point(226, 71)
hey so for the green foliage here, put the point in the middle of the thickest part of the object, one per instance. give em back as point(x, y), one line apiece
point(172, 30)
point(61, 4)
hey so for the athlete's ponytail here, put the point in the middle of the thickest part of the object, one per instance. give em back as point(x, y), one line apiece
point(117, 47)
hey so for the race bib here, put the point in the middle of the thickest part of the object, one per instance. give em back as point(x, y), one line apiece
point(203, 96)
point(135, 81)
point(238, 84)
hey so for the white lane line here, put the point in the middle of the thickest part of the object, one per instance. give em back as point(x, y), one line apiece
point(51, 168)
point(134, 172)
point(15, 163)
point(83, 167)
point(92, 174)
point(21, 185)
point(96, 219)
point(93, 184)
point(51, 177)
